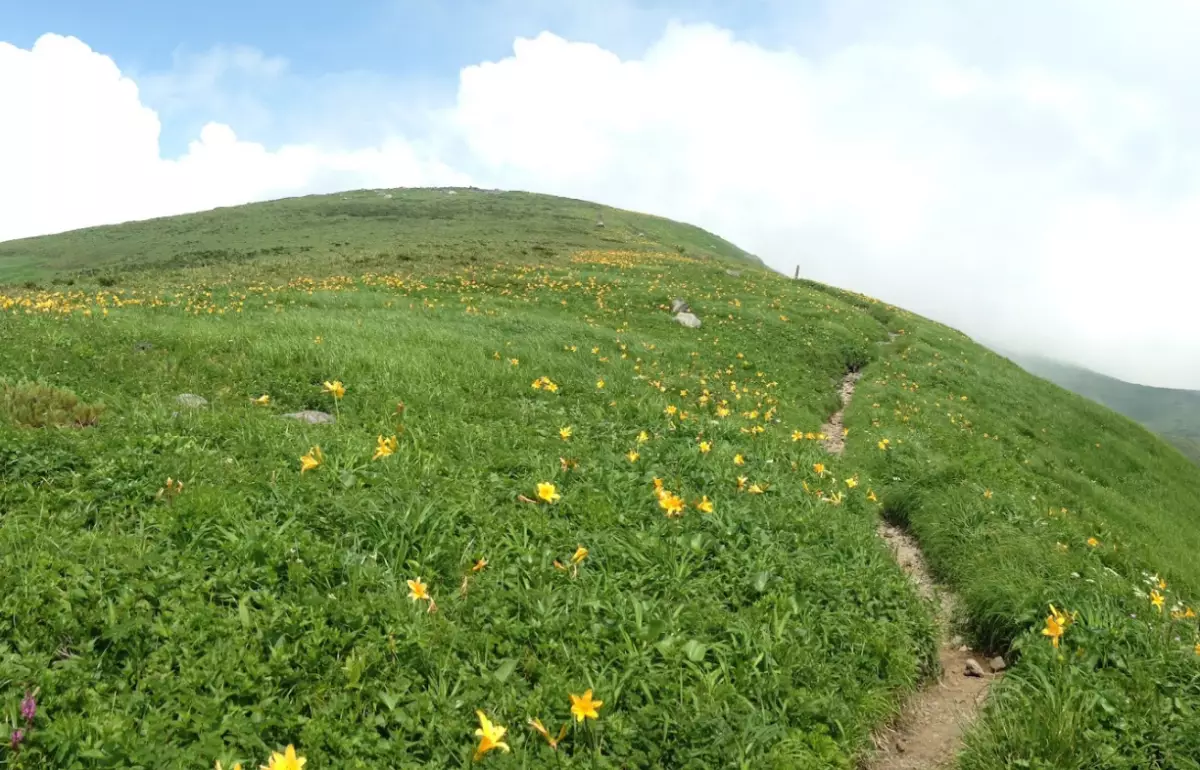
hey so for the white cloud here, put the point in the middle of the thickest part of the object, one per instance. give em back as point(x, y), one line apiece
point(78, 148)
point(1031, 200)
point(1045, 211)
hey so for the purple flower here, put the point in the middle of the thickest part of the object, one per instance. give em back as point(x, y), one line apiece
point(17, 736)
point(29, 708)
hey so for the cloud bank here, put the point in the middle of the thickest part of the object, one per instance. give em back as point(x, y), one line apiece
point(1033, 201)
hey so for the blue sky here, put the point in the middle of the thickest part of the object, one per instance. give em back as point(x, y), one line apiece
point(384, 35)
point(413, 45)
point(1007, 168)
point(410, 47)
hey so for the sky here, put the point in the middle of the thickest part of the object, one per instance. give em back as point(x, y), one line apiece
point(1026, 172)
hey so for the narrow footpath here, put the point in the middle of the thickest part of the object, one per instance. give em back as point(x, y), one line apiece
point(928, 732)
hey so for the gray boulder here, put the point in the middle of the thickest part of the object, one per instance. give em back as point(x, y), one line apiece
point(191, 400)
point(311, 416)
point(688, 320)
point(680, 305)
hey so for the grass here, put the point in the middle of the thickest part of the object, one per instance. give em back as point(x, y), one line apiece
point(256, 605)
point(1023, 496)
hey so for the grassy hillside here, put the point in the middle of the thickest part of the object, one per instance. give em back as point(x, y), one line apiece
point(745, 616)
point(1172, 413)
point(361, 229)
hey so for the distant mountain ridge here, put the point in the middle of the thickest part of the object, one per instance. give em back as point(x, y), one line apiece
point(1172, 413)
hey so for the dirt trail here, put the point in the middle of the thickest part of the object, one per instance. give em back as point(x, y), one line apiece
point(928, 732)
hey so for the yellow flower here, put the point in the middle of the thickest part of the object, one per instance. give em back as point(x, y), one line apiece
point(384, 447)
point(797, 435)
point(722, 411)
point(418, 590)
point(871, 496)
point(632, 456)
point(599, 384)
point(643, 437)
point(1157, 600)
point(819, 469)
point(548, 492)
point(285, 761)
point(311, 460)
point(479, 565)
point(583, 707)
point(705, 447)
point(987, 493)
point(263, 400)
point(741, 482)
point(335, 388)
point(579, 555)
point(1198, 648)
point(755, 489)
point(1056, 625)
point(491, 736)
point(565, 432)
point(671, 409)
point(236, 766)
point(704, 505)
point(739, 460)
point(852, 482)
point(1093, 542)
point(884, 444)
point(671, 503)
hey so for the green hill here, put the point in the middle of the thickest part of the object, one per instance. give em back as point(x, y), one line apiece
point(360, 229)
point(538, 484)
point(1172, 413)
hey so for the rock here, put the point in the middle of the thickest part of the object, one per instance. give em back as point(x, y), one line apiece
point(901, 746)
point(963, 648)
point(143, 346)
point(734, 273)
point(311, 416)
point(688, 320)
point(956, 641)
point(973, 668)
point(680, 305)
point(191, 400)
point(997, 663)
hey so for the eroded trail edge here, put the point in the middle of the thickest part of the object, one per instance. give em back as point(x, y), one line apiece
point(929, 730)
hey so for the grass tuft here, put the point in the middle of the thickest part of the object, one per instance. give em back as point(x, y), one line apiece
point(38, 405)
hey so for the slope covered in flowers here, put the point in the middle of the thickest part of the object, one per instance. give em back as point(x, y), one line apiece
point(552, 526)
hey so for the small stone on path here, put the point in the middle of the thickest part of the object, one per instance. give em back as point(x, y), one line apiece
point(972, 668)
point(997, 663)
point(191, 400)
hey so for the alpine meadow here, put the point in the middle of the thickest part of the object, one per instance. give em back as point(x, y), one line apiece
point(450, 478)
